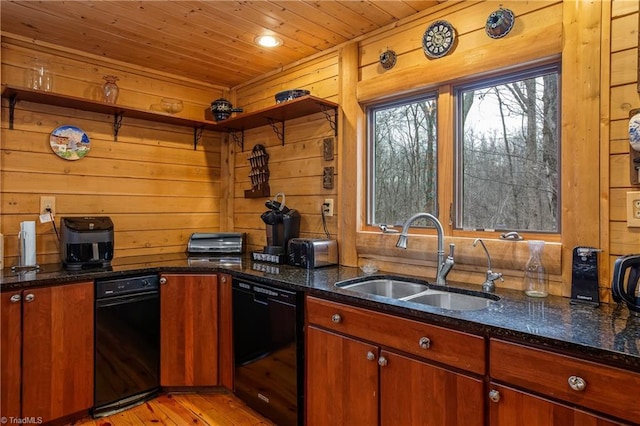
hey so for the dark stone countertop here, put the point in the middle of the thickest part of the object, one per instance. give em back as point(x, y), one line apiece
point(607, 334)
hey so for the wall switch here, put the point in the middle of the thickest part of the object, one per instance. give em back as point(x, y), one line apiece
point(47, 204)
point(327, 207)
point(633, 209)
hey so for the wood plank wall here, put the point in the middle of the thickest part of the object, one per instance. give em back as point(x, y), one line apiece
point(623, 96)
point(152, 183)
point(296, 166)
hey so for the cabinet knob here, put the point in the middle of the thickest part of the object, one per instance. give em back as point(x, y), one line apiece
point(163, 280)
point(15, 298)
point(371, 356)
point(336, 318)
point(424, 342)
point(223, 279)
point(29, 297)
point(577, 383)
point(494, 395)
point(382, 361)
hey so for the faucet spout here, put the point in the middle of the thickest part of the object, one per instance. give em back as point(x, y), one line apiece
point(443, 266)
point(489, 284)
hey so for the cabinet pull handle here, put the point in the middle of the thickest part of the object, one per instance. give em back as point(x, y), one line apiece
point(424, 342)
point(336, 318)
point(15, 298)
point(382, 361)
point(577, 383)
point(371, 356)
point(163, 280)
point(494, 395)
point(29, 297)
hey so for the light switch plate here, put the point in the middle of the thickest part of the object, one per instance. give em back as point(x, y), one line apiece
point(633, 209)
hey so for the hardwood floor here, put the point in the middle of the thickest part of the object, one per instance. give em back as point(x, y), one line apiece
point(222, 409)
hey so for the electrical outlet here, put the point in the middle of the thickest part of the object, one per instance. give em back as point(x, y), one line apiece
point(633, 209)
point(327, 207)
point(48, 204)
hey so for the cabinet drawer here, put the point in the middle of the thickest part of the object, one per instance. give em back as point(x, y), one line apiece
point(606, 389)
point(455, 348)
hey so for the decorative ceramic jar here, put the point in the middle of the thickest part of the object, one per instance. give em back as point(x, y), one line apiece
point(222, 109)
point(110, 89)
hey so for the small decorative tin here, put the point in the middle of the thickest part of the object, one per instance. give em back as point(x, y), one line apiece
point(388, 59)
point(499, 23)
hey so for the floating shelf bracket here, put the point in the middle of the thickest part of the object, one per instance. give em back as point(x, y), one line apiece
point(13, 100)
point(117, 123)
point(239, 140)
point(333, 120)
point(279, 132)
point(197, 135)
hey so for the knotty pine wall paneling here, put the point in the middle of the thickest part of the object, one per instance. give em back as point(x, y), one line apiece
point(295, 167)
point(623, 96)
point(152, 183)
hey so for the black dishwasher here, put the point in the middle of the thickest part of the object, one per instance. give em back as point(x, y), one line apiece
point(127, 342)
point(268, 350)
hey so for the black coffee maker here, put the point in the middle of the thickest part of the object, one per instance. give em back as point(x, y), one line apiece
point(624, 285)
point(282, 225)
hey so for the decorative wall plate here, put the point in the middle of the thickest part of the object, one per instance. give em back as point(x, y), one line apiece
point(438, 39)
point(69, 142)
point(388, 59)
point(499, 23)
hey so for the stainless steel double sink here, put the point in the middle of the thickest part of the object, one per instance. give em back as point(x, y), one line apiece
point(409, 291)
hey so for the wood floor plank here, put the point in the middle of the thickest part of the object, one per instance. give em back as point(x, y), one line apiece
point(208, 409)
point(227, 410)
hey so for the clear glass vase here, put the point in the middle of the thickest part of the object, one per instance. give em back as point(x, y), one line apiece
point(536, 279)
point(39, 76)
point(111, 89)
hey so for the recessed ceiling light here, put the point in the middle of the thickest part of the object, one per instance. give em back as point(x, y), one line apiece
point(268, 41)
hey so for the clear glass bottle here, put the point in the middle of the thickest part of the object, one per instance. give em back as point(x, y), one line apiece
point(111, 89)
point(536, 279)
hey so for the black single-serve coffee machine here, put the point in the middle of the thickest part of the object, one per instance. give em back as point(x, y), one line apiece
point(282, 224)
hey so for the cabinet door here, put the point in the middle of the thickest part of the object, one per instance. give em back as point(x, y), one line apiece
point(512, 407)
point(416, 393)
point(189, 330)
point(342, 380)
point(10, 345)
point(57, 356)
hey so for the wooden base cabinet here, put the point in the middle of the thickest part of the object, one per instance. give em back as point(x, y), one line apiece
point(188, 330)
point(571, 381)
point(512, 407)
point(352, 381)
point(52, 327)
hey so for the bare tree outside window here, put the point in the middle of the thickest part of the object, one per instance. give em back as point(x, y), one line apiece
point(402, 160)
point(508, 167)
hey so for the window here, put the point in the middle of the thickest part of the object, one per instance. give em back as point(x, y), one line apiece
point(508, 152)
point(402, 173)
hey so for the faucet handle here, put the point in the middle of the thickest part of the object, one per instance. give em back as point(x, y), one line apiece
point(452, 247)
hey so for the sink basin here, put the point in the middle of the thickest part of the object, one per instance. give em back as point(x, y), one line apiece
point(451, 301)
point(396, 289)
point(421, 293)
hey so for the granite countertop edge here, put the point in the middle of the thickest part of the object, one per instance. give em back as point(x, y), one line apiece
point(607, 334)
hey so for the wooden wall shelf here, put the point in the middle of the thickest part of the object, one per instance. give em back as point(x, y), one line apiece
point(275, 116)
point(15, 94)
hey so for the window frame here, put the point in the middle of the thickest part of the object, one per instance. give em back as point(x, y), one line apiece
point(498, 78)
point(431, 94)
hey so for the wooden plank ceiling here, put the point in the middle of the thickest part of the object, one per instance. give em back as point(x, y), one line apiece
point(210, 41)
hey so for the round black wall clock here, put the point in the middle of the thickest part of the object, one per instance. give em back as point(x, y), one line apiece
point(438, 39)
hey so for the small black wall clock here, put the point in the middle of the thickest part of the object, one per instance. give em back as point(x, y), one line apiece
point(438, 39)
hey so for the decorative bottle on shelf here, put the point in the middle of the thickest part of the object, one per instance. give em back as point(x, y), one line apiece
point(111, 89)
point(536, 279)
